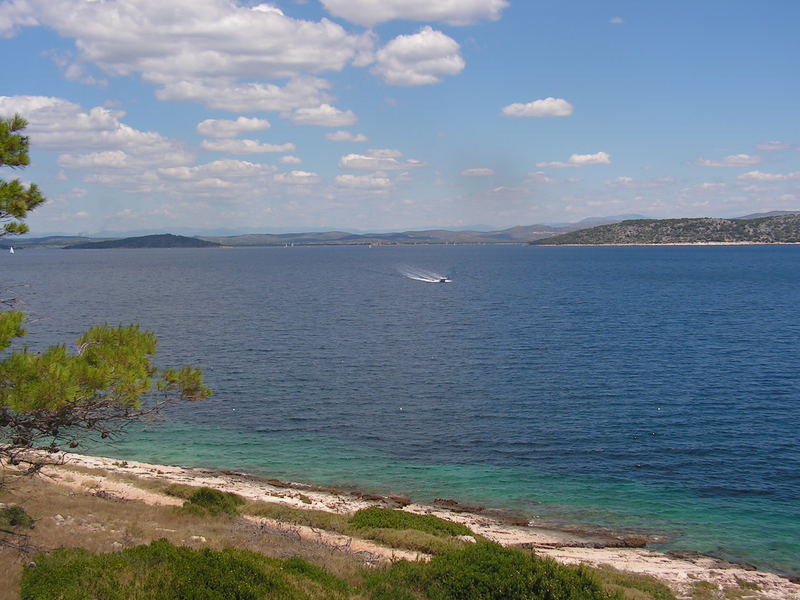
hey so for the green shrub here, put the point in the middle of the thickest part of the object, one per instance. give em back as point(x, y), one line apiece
point(161, 571)
point(384, 518)
point(486, 571)
point(213, 502)
point(15, 516)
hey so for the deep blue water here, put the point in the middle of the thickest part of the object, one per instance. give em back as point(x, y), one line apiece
point(653, 388)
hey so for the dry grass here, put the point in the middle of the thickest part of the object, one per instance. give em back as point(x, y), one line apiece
point(76, 518)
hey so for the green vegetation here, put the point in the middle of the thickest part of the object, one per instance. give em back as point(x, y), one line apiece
point(162, 571)
point(15, 516)
point(764, 230)
point(384, 518)
point(486, 571)
point(213, 502)
point(15, 198)
point(393, 528)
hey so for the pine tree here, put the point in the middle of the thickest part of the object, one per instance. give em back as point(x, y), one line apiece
point(58, 399)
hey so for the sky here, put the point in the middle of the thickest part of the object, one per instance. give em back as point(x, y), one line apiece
point(242, 116)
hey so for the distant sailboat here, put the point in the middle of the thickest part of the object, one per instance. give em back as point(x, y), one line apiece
point(11, 250)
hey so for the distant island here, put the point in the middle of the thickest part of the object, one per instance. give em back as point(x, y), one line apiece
point(165, 240)
point(781, 229)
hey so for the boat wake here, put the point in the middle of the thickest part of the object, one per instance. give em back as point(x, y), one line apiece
point(423, 275)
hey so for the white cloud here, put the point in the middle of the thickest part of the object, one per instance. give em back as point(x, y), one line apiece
point(289, 160)
point(452, 12)
point(110, 158)
point(543, 178)
point(478, 172)
point(629, 182)
point(227, 94)
point(616, 20)
point(773, 146)
point(419, 59)
point(734, 160)
point(297, 178)
point(580, 160)
point(345, 136)
point(374, 181)
point(190, 40)
point(548, 107)
point(219, 168)
point(244, 146)
point(759, 176)
point(223, 128)
point(324, 115)
point(60, 125)
point(378, 160)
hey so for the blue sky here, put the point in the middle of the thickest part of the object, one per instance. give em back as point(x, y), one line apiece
point(380, 115)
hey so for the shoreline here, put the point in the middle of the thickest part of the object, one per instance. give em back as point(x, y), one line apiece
point(626, 551)
point(646, 244)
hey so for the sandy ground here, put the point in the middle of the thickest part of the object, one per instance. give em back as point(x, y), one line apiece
point(679, 572)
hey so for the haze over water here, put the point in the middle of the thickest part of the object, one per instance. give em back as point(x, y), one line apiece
point(651, 388)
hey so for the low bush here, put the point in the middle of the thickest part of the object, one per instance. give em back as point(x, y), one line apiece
point(486, 571)
point(161, 571)
point(384, 518)
point(214, 502)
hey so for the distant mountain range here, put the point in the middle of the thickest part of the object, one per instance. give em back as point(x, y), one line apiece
point(520, 234)
point(620, 229)
point(780, 229)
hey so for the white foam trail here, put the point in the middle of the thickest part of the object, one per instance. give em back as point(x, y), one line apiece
point(423, 275)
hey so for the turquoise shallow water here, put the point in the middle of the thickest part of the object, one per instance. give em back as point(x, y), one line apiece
point(650, 388)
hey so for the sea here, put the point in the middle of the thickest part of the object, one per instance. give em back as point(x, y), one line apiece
point(648, 389)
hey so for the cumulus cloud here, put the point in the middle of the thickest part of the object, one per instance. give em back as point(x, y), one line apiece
point(231, 146)
point(59, 125)
point(227, 94)
point(478, 172)
point(110, 158)
point(616, 20)
point(758, 176)
point(378, 160)
point(297, 178)
point(324, 115)
point(452, 12)
point(548, 107)
point(222, 128)
point(376, 181)
point(189, 39)
point(579, 160)
point(345, 136)
point(289, 160)
point(734, 160)
point(219, 168)
point(422, 58)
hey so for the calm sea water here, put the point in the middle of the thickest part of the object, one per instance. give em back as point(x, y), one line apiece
point(649, 388)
